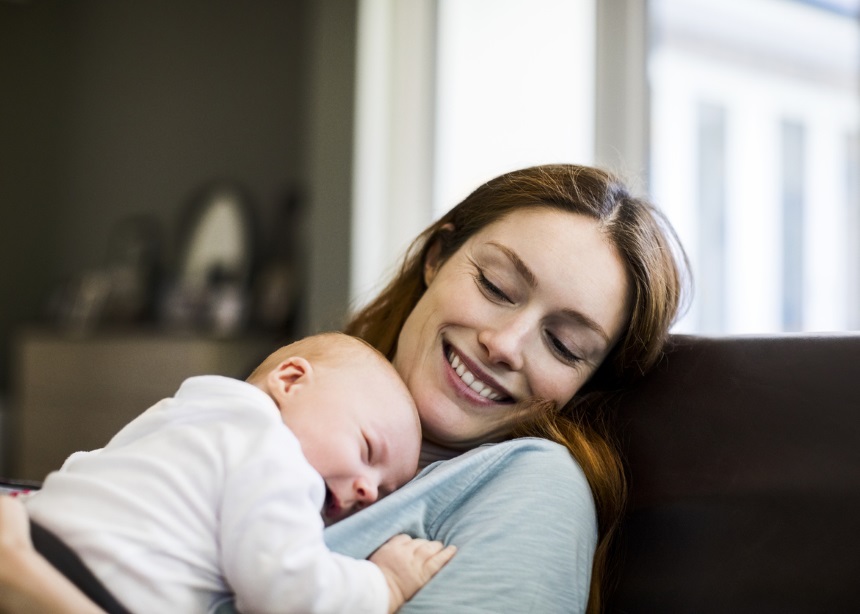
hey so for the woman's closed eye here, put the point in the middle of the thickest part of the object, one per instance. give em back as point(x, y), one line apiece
point(560, 349)
point(491, 289)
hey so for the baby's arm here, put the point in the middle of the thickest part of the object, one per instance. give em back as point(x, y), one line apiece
point(408, 564)
point(28, 583)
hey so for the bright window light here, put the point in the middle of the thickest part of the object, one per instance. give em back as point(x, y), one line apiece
point(755, 110)
point(515, 87)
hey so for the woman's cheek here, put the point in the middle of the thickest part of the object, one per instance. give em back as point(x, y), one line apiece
point(557, 384)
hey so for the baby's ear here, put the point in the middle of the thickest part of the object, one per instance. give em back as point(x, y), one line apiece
point(289, 376)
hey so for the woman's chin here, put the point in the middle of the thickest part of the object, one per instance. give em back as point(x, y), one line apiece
point(462, 436)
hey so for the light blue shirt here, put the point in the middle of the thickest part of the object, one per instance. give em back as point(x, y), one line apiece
point(521, 515)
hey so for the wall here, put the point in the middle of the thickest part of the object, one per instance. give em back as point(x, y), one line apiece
point(31, 41)
point(115, 109)
point(331, 102)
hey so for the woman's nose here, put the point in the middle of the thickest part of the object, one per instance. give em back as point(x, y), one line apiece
point(504, 341)
point(366, 491)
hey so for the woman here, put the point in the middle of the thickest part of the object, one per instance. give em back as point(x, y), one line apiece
point(517, 314)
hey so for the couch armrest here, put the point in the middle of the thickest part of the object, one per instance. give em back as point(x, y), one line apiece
point(744, 459)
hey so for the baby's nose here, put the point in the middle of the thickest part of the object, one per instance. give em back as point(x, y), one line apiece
point(365, 491)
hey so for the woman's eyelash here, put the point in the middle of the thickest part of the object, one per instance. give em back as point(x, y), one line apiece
point(491, 288)
point(562, 349)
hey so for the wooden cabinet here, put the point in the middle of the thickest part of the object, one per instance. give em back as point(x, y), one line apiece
point(74, 393)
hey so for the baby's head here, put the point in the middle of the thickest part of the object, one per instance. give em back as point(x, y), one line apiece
point(353, 415)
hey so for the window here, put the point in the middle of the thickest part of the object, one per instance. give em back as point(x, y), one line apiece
point(852, 227)
point(515, 88)
point(450, 93)
point(755, 108)
point(740, 118)
point(711, 201)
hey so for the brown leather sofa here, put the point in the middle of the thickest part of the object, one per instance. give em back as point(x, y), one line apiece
point(744, 458)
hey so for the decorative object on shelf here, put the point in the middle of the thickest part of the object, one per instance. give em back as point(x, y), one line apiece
point(217, 242)
point(121, 291)
point(134, 268)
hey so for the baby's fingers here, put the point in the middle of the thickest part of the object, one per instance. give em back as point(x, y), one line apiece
point(425, 548)
point(438, 559)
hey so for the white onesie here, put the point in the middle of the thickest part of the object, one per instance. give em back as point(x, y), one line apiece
point(205, 494)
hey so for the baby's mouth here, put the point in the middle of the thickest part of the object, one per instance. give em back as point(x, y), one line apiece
point(331, 507)
point(477, 385)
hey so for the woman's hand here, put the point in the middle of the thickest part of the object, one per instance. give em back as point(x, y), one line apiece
point(28, 583)
point(408, 564)
point(14, 526)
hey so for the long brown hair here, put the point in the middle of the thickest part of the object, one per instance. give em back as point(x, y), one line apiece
point(657, 271)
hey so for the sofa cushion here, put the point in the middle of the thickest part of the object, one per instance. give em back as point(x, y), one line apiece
point(744, 461)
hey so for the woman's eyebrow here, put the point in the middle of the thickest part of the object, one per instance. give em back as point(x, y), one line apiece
point(531, 280)
point(519, 265)
point(587, 322)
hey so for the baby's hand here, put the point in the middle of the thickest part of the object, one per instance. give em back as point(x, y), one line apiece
point(408, 564)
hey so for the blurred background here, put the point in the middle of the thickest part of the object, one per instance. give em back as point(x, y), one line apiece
point(184, 185)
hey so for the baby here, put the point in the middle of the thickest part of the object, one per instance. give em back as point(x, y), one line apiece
point(219, 489)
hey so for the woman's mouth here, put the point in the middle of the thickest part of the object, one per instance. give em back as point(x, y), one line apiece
point(476, 383)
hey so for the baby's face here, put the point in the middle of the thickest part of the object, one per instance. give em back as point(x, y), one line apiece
point(362, 435)
point(365, 460)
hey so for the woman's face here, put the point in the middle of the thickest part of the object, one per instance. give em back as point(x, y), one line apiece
point(528, 307)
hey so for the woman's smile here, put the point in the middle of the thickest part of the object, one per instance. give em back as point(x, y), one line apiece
point(472, 382)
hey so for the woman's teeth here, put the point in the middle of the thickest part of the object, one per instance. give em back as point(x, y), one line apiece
point(470, 380)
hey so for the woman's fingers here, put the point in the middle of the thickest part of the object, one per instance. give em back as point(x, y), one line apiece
point(14, 524)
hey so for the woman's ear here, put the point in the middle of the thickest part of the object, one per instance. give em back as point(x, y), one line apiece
point(289, 377)
point(433, 258)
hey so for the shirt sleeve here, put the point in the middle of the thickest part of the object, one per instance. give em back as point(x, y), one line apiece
point(272, 544)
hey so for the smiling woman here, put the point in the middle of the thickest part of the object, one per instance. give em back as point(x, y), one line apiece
point(519, 312)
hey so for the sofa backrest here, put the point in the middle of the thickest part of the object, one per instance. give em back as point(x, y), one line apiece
point(744, 459)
